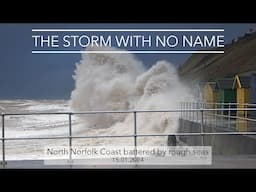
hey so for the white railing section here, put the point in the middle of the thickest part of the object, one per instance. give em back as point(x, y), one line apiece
point(220, 114)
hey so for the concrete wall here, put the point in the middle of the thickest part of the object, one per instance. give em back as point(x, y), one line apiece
point(221, 144)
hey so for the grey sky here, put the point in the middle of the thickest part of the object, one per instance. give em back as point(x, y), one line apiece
point(26, 75)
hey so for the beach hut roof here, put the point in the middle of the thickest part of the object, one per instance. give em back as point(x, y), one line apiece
point(213, 85)
point(241, 82)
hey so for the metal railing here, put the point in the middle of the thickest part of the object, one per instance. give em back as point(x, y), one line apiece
point(222, 113)
point(135, 135)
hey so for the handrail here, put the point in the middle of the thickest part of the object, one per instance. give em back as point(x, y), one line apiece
point(223, 104)
point(129, 111)
point(138, 135)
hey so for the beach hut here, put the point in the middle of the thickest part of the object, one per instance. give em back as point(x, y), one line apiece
point(252, 95)
point(210, 94)
point(242, 86)
point(226, 94)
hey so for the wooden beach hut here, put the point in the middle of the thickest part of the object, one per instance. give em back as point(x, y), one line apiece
point(226, 94)
point(242, 86)
point(210, 94)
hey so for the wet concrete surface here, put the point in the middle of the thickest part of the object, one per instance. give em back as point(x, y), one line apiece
point(218, 162)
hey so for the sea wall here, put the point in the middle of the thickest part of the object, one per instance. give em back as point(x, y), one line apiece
point(221, 144)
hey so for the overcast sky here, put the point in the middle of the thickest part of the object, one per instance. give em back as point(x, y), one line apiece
point(27, 75)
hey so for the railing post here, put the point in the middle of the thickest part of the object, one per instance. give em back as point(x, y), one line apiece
point(3, 143)
point(188, 111)
point(186, 107)
point(183, 115)
point(223, 113)
point(181, 109)
point(205, 115)
point(135, 129)
point(197, 107)
point(135, 136)
point(216, 113)
point(183, 112)
point(202, 126)
point(70, 138)
point(229, 113)
point(193, 112)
